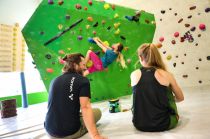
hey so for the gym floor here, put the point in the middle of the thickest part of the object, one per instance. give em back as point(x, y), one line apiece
point(194, 120)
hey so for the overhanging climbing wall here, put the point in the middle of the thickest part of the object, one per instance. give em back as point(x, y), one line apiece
point(50, 35)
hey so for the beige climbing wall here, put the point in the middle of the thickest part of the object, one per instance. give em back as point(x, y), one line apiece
point(192, 67)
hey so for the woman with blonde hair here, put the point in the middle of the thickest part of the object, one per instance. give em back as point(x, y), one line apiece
point(110, 55)
point(154, 92)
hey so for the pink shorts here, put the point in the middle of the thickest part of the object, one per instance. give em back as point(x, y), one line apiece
point(97, 63)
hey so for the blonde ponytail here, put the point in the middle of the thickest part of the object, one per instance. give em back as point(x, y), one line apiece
point(120, 58)
point(151, 56)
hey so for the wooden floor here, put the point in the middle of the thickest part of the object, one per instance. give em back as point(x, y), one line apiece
point(194, 120)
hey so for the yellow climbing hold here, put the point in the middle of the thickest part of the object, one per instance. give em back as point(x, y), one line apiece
point(89, 63)
point(60, 26)
point(117, 31)
point(116, 15)
point(116, 25)
point(106, 43)
point(106, 6)
point(169, 57)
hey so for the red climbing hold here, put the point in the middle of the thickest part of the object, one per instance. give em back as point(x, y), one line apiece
point(176, 34)
point(161, 39)
point(202, 26)
point(49, 70)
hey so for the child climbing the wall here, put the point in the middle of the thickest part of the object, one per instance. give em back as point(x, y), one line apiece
point(110, 55)
point(154, 93)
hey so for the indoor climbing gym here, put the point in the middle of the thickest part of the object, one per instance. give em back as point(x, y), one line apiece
point(104, 69)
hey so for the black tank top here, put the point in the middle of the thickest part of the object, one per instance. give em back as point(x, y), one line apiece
point(151, 111)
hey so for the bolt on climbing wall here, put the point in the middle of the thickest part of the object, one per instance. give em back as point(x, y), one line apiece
point(61, 27)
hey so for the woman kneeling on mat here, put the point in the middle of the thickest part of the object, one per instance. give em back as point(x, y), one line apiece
point(154, 93)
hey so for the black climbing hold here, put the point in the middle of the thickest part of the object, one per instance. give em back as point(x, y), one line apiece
point(109, 27)
point(162, 11)
point(95, 25)
point(200, 81)
point(207, 10)
point(164, 52)
point(48, 56)
point(174, 64)
point(175, 14)
point(33, 63)
point(122, 37)
point(41, 32)
point(170, 8)
point(193, 29)
point(197, 68)
point(190, 16)
point(208, 57)
point(199, 59)
point(53, 62)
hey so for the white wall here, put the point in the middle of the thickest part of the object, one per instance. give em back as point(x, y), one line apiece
point(169, 25)
point(11, 12)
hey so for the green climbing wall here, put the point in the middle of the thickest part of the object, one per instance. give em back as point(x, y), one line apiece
point(50, 20)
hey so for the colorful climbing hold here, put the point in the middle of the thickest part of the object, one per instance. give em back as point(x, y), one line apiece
point(89, 18)
point(95, 25)
point(162, 11)
point(67, 16)
point(128, 60)
point(192, 28)
point(122, 37)
point(116, 25)
point(161, 39)
point(173, 42)
point(49, 70)
point(116, 15)
point(103, 22)
point(90, 2)
point(186, 25)
point(169, 57)
point(94, 32)
point(202, 26)
point(159, 45)
point(106, 43)
point(106, 6)
point(193, 7)
point(60, 26)
point(87, 26)
point(50, 2)
point(117, 31)
point(79, 37)
point(61, 52)
point(180, 20)
point(113, 7)
point(176, 34)
point(48, 56)
point(60, 2)
point(185, 76)
point(78, 6)
point(89, 64)
point(85, 8)
point(207, 10)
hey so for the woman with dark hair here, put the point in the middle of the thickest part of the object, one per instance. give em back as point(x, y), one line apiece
point(110, 54)
point(68, 94)
point(154, 92)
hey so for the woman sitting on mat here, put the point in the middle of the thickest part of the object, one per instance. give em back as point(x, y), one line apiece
point(154, 93)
